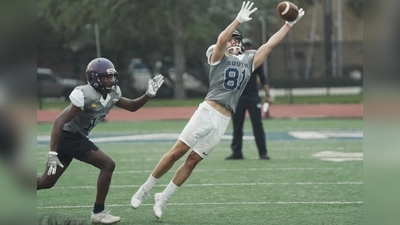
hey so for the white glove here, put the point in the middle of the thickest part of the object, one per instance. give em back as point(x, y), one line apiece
point(154, 84)
point(52, 162)
point(301, 14)
point(243, 15)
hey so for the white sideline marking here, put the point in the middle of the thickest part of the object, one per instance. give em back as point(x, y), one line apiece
point(173, 136)
point(142, 137)
point(139, 137)
point(248, 169)
point(210, 203)
point(341, 159)
point(325, 135)
point(339, 156)
point(228, 170)
point(281, 92)
point(329, 154)
point(222, 184)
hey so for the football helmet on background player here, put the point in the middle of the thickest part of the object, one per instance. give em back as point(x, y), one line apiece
point(247, 41)
point(100, 67)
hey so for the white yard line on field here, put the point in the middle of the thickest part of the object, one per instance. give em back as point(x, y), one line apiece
point(228, 170)
point(243, 169)
point(225, 184)
point(210, 203)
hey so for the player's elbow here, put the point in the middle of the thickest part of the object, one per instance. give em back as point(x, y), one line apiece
point(59, 121)
point(132, 109)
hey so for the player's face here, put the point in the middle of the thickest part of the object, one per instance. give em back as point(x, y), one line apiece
point(107, 80)
point(233, 42)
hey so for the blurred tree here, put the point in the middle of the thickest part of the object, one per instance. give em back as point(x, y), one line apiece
point(150, 30)
point(147, 29)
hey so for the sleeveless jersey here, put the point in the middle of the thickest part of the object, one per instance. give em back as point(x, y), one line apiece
point(228, 78)
point(93, 106)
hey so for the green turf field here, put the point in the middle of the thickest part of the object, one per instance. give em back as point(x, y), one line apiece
point(324, 99)
point(314, 176)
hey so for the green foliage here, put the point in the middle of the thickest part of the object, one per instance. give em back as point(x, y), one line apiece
point(143, 29)
point(329, 99)
point(135, 28)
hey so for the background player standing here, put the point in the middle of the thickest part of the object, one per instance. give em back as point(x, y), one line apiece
point(250, 101)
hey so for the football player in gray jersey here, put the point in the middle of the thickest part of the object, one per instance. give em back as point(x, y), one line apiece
point(230, 70)
point(89, 104)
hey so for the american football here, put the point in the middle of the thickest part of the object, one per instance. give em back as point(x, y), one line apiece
point(287, 11)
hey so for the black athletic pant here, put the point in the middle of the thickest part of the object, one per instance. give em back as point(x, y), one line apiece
point(238, 119)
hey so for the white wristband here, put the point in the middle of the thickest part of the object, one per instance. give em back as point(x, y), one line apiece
point(237, 18)
point(53, 153)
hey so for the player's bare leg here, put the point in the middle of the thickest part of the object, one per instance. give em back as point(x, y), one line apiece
point(181, 175)
point(164, 165)
point(48, 181)
point(184, 171)
point(168, 160)
point(106, 165)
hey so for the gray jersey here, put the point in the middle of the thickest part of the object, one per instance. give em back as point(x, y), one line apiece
point(228, 77)
point(93, 106)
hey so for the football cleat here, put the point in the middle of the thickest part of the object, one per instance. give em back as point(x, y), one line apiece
point(160, 202)
point(104, 217)
point(139, 197)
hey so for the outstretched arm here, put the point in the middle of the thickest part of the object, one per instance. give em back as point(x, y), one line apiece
point(134, 104)
point(225, 35)
point(265, 49)
point(263, 52)
point(223, 38)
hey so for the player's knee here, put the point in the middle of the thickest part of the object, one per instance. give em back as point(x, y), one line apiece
point(177, 151)
point(109, 166)
point(191, 163)
point(192, 160)
point(174, 156)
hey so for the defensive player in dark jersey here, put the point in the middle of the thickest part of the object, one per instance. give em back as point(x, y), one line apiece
point(230, 70)
point(250, 101)
point(68, 140)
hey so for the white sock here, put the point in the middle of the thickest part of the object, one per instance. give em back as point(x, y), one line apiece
point(149, 182)
point(169, 190)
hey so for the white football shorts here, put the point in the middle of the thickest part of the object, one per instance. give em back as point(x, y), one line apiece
point(204, 130)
